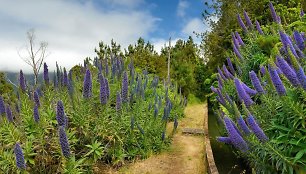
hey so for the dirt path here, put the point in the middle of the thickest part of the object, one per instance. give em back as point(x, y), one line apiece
point(186, 154)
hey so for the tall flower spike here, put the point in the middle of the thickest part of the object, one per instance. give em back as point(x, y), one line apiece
point(2, 106)
point(46, 74)
point(227, 73)
point(256, 129)
point(258, 28)
point(60, 114)
point(87, 85)
point(118, 102)
point(9, 114)
point(247, 19)
point(221, 74)
point(63, 140)
point(288, 72)
point(240, 41)
point(242, 94)
point(299, 40)
point(235, 40)
point(301, 76)
point(248, 89)
point(234, 136)
point(20, 162)
point(236, 51)
point(230, 65)
point(22, 82)
point(125, 87)
point(243, 126)
point(36, 98)
point(220, 82)
point(276, 81)
point(65, 80)
point(302, 12)
point(103, 93)
point(275, 17)
point(36, 114)
point(220, 97)
point(256, 82)
point(263, 70)
point(241, 23)
point(226, 140)
point(107, 87)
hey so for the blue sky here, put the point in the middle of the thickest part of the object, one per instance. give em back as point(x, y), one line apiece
point(73, 28)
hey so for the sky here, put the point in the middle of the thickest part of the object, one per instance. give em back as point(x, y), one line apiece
point(73, 28)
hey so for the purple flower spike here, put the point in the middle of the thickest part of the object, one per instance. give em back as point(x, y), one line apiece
point(276, 81)
point(301, 76)
point(236, 51)
point(228, 98)
point(227, 73)
point(288, 72)
point(256, 129)
point(36, 114)
point(9, 114)
point(220, 98)
point(125, 88)
point(235, 41)
point(230, 65)
point(259, 28)
point(256, 82)
point(241, 23)
point(248, 89)
point(65, 80)
point(36, 98)
point(234, 136)
point(240, 41)
point(220, 82)
point(22, 81)
point(107, 87)
point(225, 140)
point(221, 74)
point(103, 92)
point(213, 89)
point(20, 162)
point(242, 94)
point(46, 74)
point(302, 12)
point(118, 102)
point(87, 85)
point(243, 126)
point(63, 140)
point(247, 19)
point(60, 114)
point(263, 70)
point(299, 40)
point(275, 17)
point(2, 106)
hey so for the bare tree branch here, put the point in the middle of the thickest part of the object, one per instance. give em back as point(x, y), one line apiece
point(35, 58)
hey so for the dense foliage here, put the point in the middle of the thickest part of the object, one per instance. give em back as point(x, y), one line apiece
point(261, 92)
point(186, 64)
point(107, 112)
point(222, 14)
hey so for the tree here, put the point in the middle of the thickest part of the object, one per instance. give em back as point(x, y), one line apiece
point(35, 56)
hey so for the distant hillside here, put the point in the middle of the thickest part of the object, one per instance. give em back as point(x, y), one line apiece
point(13, 77)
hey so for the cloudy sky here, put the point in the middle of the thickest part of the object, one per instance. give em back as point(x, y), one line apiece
point(73, 28)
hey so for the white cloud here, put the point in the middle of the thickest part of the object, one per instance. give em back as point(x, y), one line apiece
point(72, 28)
point(160, 43)
point(193, 25)
point(181, 8)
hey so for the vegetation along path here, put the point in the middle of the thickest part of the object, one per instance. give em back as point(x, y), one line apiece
point(186, 154)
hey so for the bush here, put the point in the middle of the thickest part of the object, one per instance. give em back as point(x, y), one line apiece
point(262, 98)
point(89, 115)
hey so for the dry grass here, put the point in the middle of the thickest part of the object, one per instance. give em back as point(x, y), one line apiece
point(186, 154)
